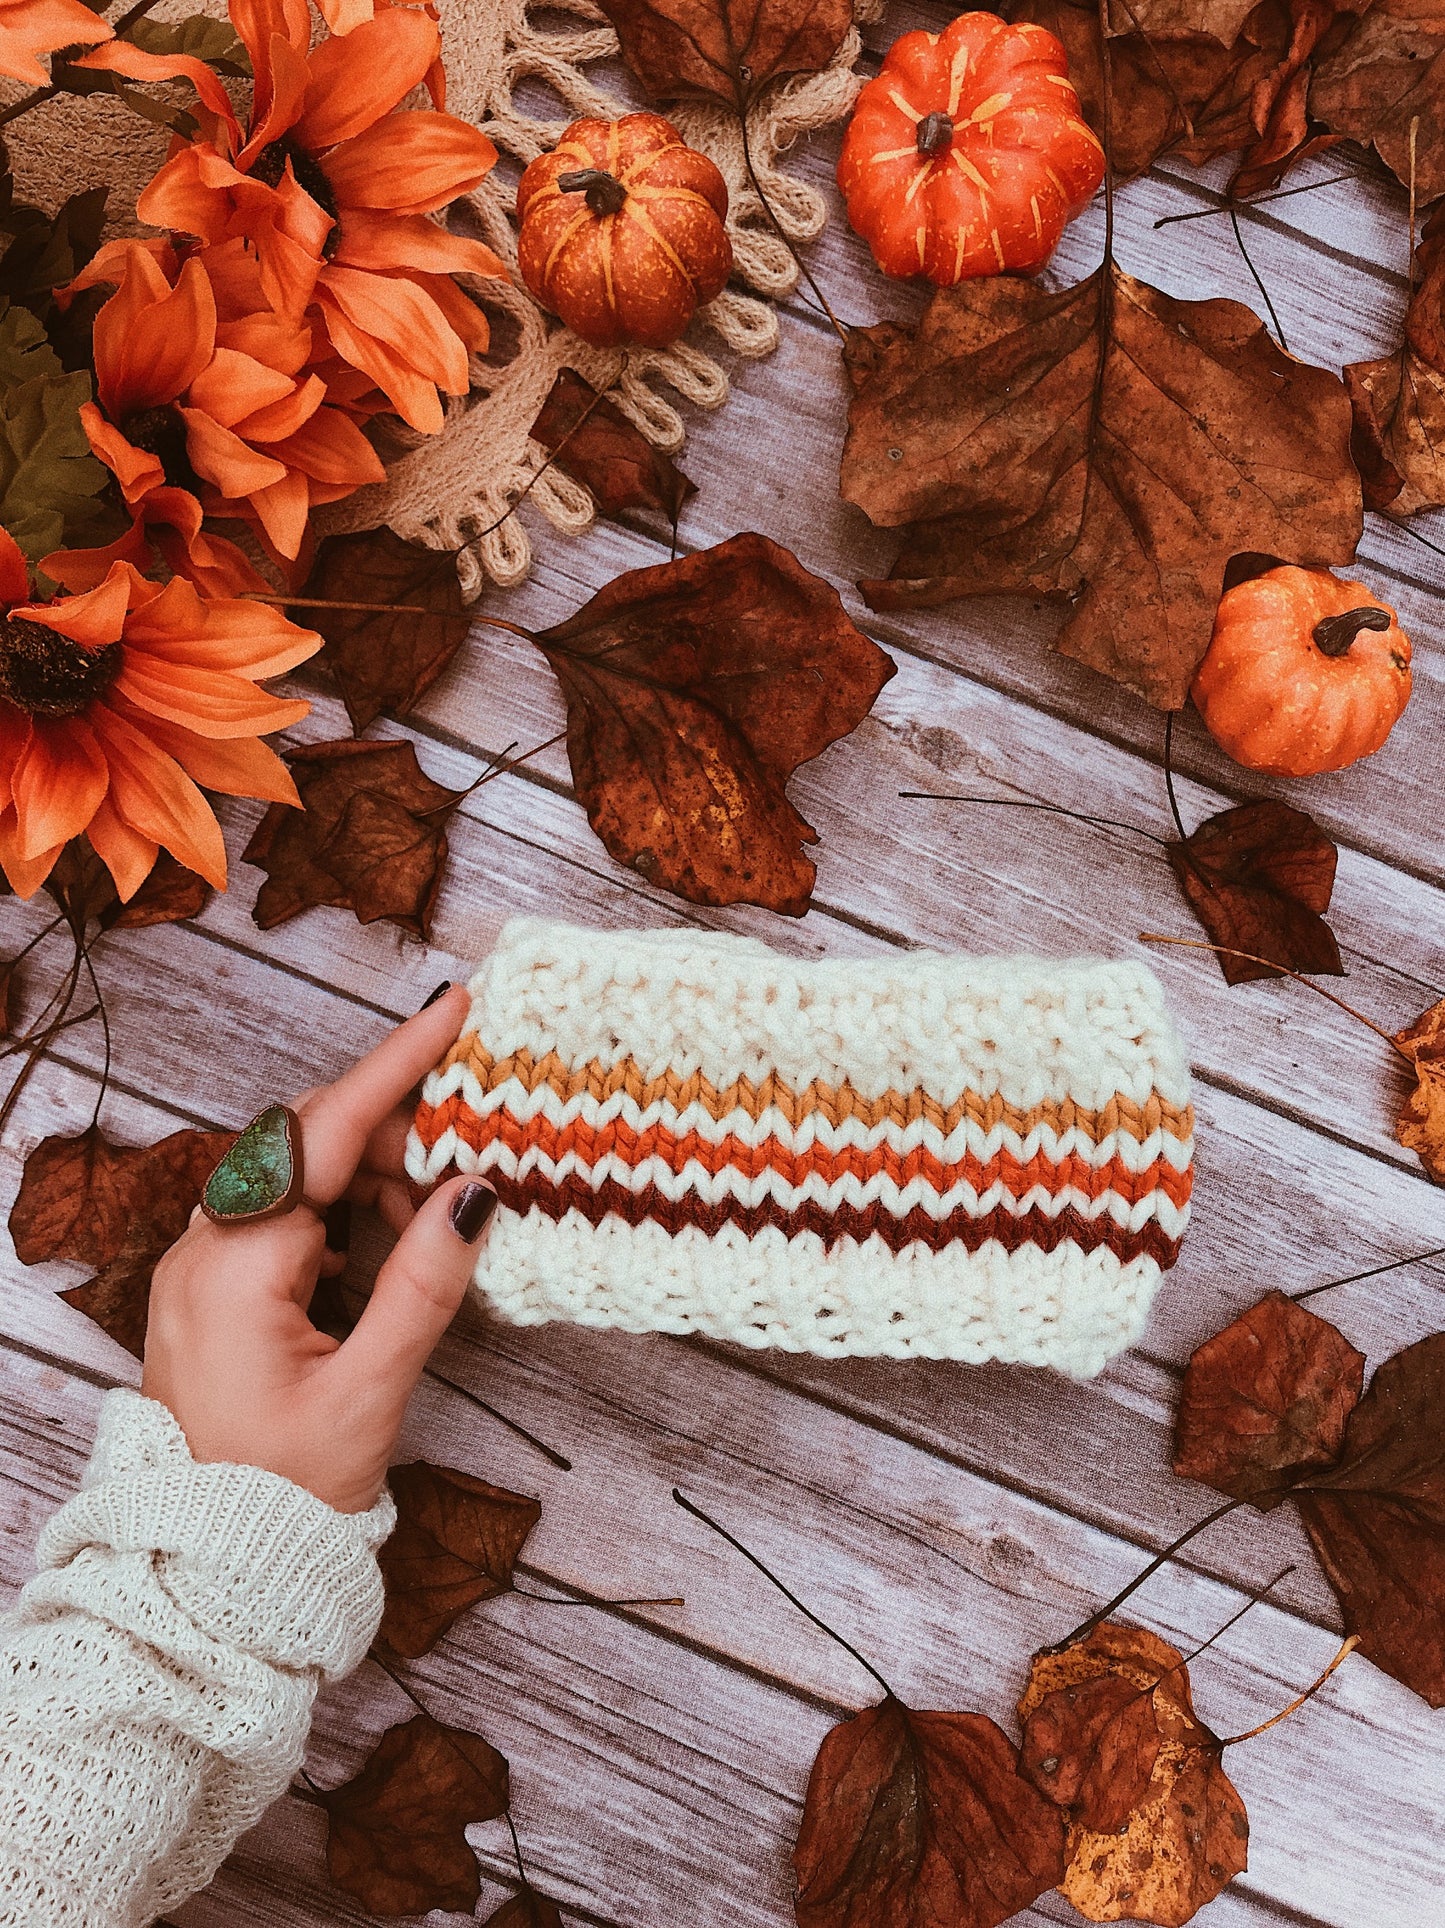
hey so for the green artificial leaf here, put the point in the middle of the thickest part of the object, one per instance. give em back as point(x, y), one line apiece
point(25, 354)
point(213, 41)
point(49, 480)
point(46, 252)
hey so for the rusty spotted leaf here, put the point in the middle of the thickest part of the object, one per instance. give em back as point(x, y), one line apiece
point(169, 894)
point(369, 837)
point(591, 440)
point(725, 50)
point(116, 1208)
point(1421, 1124)
point(384, 662)
point(1091, 1748)
point(1265, 1402)
point(1399, 401)
point(1259, 878)
point(913, 1819)
point(455, 1542)
point(1388, 74)
point(396, 1836)
point(1187, 1835)
point(694, 690)
point(526, 1909)
point(1018, 465)
point(1377, 1519)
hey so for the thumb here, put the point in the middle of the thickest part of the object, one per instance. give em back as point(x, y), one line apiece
point(416, 1295)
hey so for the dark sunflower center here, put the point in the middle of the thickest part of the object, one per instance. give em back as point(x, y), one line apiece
point(49, 675)
point(161, 432)
point(269, 166)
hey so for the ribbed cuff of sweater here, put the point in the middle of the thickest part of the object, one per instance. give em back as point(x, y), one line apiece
point(249, 1558)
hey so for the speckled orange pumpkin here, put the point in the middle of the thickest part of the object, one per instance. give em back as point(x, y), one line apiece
point(622, 231)
point(969, 153)
point(1305, 672)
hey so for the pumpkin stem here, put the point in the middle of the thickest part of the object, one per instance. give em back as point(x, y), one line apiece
point(1334, 634)
point(605, 193)
point(935, 133)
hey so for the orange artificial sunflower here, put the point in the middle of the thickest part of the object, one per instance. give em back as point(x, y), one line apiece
point(204, 405)
point(32, 27)
point(331, 184)
point(116, 704)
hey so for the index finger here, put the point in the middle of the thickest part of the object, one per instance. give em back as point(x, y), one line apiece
point(337, 1120)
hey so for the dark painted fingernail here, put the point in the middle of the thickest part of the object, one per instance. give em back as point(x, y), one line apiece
point(439, 993)
point(471, 1208)
point(338, 1226)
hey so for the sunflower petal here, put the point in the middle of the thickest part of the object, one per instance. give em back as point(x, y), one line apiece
point(153, 796)
point(56, 784)
point(233, 386)
point(361, 76)
point(95, 617)
point(375, 238)
point(42, 27)
point(152, 340)
point(224, 460)
point(126, 854)
point(411, 162)
point(121, 57)
point(14, 571)
point(244, 638)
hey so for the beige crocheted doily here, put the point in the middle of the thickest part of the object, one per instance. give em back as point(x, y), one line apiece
point(513, 69)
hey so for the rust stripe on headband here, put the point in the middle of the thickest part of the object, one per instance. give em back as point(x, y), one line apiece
point(834, 1102)
point(833, 1225)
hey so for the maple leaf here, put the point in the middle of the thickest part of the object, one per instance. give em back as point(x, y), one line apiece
point(1104, 445)
point(694, 690)
point(1185, 1836)
point(117, 1208)
point(1421, 1124)
point(1265, 1402)
point(1377, 1520)
point(590, 439)
point(526, 1909)
point(396, 1838)
point(455, 1542)
point(384, 661)
point(369, 837)
point(1259, 878)
point(1399, 400)
point(725, 50)
point(1388, 75)
point(915, 1818)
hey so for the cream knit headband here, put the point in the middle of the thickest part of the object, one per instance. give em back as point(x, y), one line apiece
point(917, 1156)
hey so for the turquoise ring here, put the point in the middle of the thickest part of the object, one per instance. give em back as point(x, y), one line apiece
point(261, 1176)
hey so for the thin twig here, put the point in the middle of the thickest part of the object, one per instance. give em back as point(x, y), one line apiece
point(1249, 263)
point(1199, 214)
point(537, 474)
point(1169, 776)
point(783, 235)
point(1375, 1271)
point(1299, 1700)
point(512, 1425)
point(591, 1600)
point(42, 94)
point(1083, 1631)
point(1021, 803)
point(1410, 269)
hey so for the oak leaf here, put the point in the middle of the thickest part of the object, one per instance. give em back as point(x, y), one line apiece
point(1259, 878)
point(1186, 1836)
point(725, 50)
point(396, 1838)
point(116, 1208)
point(590, 439)
point(694, 690)
point(1421, 1125)
point(913, 1819)
point(384, 661)
point(1387, 76)
point(526, 1909)
point(1399, 400)
point(455, 1542)
point(369, 837)
point(1104, 445)
point(1265, 1402)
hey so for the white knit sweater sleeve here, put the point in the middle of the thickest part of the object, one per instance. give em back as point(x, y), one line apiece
point(157, 1675)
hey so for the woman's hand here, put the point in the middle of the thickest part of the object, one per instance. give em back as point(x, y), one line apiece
point(229, 1348)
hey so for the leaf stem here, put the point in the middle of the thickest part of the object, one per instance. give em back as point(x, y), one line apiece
point(591, 1600)
point(1198, 214)
point(552, 454)
point(1169, 776)
point(807, 1612)
point(1249, 263)
point(1415, 1258)
point(512, 1425)
point(783, 235)
point(1299, 1700)
point(1083, 1631)
point(1021, 803)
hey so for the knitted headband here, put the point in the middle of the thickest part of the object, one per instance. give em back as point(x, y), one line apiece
point(946, 1157)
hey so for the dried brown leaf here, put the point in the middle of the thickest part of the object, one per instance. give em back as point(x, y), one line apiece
point(1091, 1748)
point(455, 1542)
point(1421, 1124)
point(369, 837)
point(1259, 878)
point(694, 690)
point(526, 1909)
point(115, 1207)
point(1222, 20)
point(1388, 74)
point(913, 1819)
point(591, 440)
point(170, 894)
point(385, 663)
point(725, 49)
point(1285, 131)
point(1265, 1402)
point(1399, 401)
point(1120, 485)
point(397, 1831)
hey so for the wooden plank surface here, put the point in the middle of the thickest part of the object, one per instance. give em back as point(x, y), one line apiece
point(948, 1520)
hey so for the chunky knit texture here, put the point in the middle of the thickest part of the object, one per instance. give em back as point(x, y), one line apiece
point(157, 1676)
point(962, 1158)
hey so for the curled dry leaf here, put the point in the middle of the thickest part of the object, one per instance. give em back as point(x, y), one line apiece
point(526, 1909)
point(384, 662)
point(1388, 75)
point(1186, 1836)
point(725, 50)
point(694, 690)
point(369, 838)
point(1265, 1402)
point(1259, 878)
point(396, 1838)
point(116, 1208)
point(1285, 130)
point(913, 1819)
point(1106, 446)
point(591, 440)
point(1421, 1125)
point(1399, 401)
point(170, 894)
point(455, 1542)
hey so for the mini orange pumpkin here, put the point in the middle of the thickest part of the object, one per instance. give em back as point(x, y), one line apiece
point(1305, 672)
point(622, 231)
point(969, 153)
